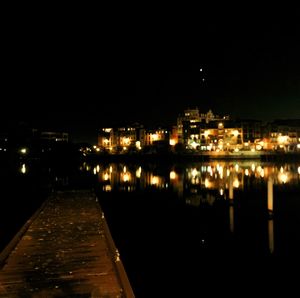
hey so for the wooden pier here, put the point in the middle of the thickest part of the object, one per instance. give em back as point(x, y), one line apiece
point(64, 250)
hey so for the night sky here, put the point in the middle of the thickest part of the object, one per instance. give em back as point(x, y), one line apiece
point(78, 74)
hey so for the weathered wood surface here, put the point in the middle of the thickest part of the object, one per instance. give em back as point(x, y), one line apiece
point(67, 251)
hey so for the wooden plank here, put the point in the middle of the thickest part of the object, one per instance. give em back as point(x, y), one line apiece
point(67, 251)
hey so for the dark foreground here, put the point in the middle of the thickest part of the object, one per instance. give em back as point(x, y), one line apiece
point(67, 251)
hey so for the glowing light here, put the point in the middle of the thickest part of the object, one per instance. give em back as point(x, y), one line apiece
point(23, 150)
point(138, 145)
point(247, 172)
point(23, 169)
point(206, 133)
point(236, 150)
point(236, 183)
point(107, 188)
point(282, 139)
point(283, 177)
point(281, 169)
point(298, 146)
point(106, 141)
point(252, 150)
point(126, 177)
point(172, 175)
point(105, 176)
point(97, 149)
point(227, 172)
point(253, 167)
point(194, 172)
point(221, 191)
point(126, 141)
point(154, 180)
point(94, 146)
point(172, 142)
point(236, 167)
point(262, 173)
point(95, 171)
point(124, 169)
point(299, 170)
point(98, 169)
point(206, 183)
point(201, 69)
point(235, 133)
point(138, 172)
point(154, 137)
point(110, 169)
point(194, 145)
point(220, 125)
point(258, 147)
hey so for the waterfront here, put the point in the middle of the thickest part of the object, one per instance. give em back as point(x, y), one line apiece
point(179, 227)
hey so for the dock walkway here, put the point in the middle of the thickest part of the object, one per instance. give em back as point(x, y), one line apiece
point(66, 250)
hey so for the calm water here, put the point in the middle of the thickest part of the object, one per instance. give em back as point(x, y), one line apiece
point(181, 229)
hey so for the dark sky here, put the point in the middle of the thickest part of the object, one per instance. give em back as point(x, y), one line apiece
point(78, 73)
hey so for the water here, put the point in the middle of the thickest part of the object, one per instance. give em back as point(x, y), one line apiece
point(181, 229)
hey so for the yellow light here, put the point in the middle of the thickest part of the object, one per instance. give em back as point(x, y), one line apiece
point(138, 172)
point(247, 172)
point(154, 137)
point(23, 150)
point(138, 145)
point(194, 172)
point(282, 139)
point(172, 142)
point(236, 167)
point(126, 141)
point(206, 183)
point(98, 169)
point(258, 147)
point(106, 141)
point(299, 170)
point(298, 146)
point(124, 169)
point(97, 149)
point(253, 167)
point(220, 124)
point(154, 180)
point(221, 191)
point(110, 169)
point(23, 169)
point(206, 133)
point(126, 177)
point(236, 150)
point(105, 177)
point(172, 175)
point(235, 133)
point(236, 183)
point(283, 177)
point(107, 187)
point(94, 146)
point(95, 171)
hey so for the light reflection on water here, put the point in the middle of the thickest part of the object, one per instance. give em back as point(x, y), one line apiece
point(221, 178)
point(206, 184)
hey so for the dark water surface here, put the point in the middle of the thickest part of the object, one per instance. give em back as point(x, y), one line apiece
point(181, 229)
